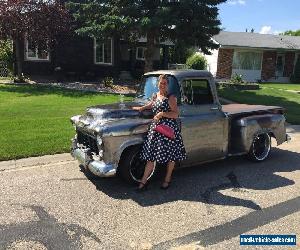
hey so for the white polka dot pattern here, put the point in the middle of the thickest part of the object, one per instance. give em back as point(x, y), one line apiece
point(158, 147)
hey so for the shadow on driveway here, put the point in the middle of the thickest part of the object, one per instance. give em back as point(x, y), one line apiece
point(204, 183)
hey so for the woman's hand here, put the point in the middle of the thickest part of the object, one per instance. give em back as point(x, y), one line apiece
point(158, 116)
point(138, 108)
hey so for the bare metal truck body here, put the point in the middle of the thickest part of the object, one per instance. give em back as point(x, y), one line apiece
point(109, 137)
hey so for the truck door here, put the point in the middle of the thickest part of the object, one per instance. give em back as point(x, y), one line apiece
point(204, 125)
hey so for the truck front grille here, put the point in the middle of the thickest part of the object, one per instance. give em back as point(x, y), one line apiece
point(88, 141)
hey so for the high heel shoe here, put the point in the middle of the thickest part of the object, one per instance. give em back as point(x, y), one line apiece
point(143, 188)
point(167, 186)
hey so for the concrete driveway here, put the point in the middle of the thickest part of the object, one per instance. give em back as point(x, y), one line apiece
point(48, 203)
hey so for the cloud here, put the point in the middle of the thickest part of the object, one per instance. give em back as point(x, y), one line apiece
point(235, 2)
point(265, 30)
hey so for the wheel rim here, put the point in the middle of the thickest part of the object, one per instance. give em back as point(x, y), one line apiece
point(261, 146)
point(137, 168)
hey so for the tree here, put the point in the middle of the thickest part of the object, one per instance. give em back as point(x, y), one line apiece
point(291, 33)
point(193, 22)
point(37, 20)
point(180, 52)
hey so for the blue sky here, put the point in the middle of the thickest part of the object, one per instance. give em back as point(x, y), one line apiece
point(264, 16)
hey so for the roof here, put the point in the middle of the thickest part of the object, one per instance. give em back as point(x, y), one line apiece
point(182, 73)
point(256, 40)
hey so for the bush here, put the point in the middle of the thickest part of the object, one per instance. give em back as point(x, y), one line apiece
point(237, 78)
point(108, 82)
point(6, 54)
point(196, 61)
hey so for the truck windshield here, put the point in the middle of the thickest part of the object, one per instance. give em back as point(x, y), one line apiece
point(149, 87)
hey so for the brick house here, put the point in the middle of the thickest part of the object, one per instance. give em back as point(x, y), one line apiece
point(255, 56)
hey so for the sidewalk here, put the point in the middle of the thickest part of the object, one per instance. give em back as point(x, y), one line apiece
point(35, 161)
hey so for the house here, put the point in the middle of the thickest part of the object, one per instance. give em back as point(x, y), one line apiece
point(257, 57)
point(83, 58)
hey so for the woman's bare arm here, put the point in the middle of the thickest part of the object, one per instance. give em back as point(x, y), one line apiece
point(147, 106)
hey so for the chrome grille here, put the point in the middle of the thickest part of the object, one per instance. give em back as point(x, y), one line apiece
point(88, 141)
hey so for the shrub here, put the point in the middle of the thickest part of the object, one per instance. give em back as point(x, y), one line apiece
point(196, 61)
point(108, 82)
point(237, 78)
point(6, 54)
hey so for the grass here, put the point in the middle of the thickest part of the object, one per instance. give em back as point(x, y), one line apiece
point(284, 86)
point(35, 120)
point(268, 96)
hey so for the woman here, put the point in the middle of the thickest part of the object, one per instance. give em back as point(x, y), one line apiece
point(157, 146)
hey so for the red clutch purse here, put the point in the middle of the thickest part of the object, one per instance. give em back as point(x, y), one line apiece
point(165, 130)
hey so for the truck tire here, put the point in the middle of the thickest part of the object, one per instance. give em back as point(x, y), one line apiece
point(260, 148)
point(131, 168)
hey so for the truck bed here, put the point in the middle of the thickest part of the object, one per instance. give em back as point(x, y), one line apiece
point(239, 109)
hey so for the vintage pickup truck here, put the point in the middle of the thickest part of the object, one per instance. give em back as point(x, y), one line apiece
point(109, 137)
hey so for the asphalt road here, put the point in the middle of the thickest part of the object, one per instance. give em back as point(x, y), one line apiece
point(56, 206)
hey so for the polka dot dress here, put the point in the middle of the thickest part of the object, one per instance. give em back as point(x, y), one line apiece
point(158, 147)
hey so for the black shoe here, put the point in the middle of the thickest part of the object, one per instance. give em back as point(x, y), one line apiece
point(167, 186)
point(143, 188)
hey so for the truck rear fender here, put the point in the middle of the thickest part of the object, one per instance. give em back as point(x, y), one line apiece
point(243, 130)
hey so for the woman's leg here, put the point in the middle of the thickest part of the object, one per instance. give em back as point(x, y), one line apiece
point(168, 177)
point(148, 170)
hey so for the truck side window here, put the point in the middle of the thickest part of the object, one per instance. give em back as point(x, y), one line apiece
point(197, 91)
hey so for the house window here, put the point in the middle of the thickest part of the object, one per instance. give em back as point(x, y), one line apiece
point(34, 52)
point(140, 53)
point(246, 60)
point(103, 51)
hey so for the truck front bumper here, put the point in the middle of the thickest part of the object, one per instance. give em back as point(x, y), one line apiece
point(98, 168)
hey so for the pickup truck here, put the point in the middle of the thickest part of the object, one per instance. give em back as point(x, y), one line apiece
point(109, 137)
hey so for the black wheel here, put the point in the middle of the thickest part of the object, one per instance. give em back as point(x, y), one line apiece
point(131, 167)
point(260, 148)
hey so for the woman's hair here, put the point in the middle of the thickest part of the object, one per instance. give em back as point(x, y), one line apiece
point(163, 76)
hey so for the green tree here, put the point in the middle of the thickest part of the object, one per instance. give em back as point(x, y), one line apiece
point(291, 33)
point(192, 22)
point(180, 52)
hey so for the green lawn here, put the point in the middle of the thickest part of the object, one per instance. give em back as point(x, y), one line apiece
point(285, 86)
point(268, 96)
point(35, 120)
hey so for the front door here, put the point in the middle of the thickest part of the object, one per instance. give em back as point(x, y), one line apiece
point(204, 125)
point(280, 65)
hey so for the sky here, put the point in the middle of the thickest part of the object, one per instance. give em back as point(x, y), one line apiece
point(264, 16)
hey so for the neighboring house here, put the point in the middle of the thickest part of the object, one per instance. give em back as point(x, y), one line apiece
point(257, 57)
point(84, 58)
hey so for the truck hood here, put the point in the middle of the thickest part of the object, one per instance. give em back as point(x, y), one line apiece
point(117, 118)
point(114, 111)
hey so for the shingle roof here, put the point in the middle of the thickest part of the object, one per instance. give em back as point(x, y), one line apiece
point(256, 40)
